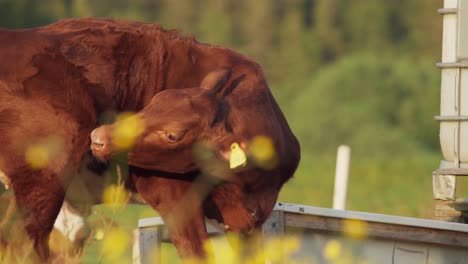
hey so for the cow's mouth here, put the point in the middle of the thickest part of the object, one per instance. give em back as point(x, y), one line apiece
point(96, 145)
point(96, 149)
point(100, 150)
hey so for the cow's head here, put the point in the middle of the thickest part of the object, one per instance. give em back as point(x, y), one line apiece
point(175, 122)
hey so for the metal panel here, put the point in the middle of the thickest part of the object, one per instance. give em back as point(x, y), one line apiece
point(449, 107)
point(410, 253)
point(446, 256)
point(388, 239)
point(274, 225)
point(444, 11)
point(449, 38)
point(294, 209)
point(452, 65)
point(381, 251)
point(451, 118)
point(451, 3)
point(448, 102)
point(463, 102)
point(444, 186)
point(462, 31)
point(444, 183)
point(150, 244)
point(313, 249)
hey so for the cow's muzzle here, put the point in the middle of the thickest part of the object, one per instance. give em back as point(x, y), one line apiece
point(101, 143)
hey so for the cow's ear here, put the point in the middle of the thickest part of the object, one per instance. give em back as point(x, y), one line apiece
point(216, 80)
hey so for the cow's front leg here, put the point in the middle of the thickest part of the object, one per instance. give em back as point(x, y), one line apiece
point(179, 204)
point(39, 195)
point(188, 235)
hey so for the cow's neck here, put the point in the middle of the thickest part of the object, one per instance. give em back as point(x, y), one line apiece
point(188, 62)
point(176, 64)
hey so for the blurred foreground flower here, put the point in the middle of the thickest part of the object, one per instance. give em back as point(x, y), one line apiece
point(127, 128)
point(40, 154)
point(356, 229)
point(205, 156)
point(332, 250)
point(224, 249)
point(114, 244)
point(263, 151)
point(276, 250)
point(232, 248)
point(37, 156)
point(115, 195)
point(99, 235)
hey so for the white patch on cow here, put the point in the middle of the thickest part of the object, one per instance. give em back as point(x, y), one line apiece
point(5, 180)
point(69, 222)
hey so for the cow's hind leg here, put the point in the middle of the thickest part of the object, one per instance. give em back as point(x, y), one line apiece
point(39, 195)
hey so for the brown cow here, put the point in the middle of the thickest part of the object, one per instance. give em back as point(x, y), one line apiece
point(194, 130)
point(57, 80)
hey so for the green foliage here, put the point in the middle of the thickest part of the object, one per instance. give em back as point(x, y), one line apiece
point(383, 107)
point(398, 185)
point(370, 102)
point(26, 13)
point(104, 220)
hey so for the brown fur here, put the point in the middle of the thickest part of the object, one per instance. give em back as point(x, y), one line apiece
point(182, 126)
point(57, 80)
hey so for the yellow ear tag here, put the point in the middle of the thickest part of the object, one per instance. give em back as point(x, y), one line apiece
point(238, 157)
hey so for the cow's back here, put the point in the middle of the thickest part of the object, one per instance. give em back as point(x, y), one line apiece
point(17, 50)
point(40, 101)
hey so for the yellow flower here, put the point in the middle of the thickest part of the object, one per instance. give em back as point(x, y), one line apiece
point(127, 128)
point(115, 195)
point(356, 229)
point(263, 151)
point(40, 154)
point(115, 243)
point(223, 249)
point(37, 156)
point(99, 234)
point(290, 245)
point(332, 250)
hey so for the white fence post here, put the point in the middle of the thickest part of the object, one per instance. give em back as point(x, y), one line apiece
point(341, 177)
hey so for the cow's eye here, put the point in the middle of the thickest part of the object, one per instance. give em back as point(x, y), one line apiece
point(174, 136)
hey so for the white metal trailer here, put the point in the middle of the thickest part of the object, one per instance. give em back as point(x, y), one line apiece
point(454, 99)
point(388, 239)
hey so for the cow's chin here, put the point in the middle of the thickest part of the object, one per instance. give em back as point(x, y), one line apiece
point(167, 166)
point(102, 154)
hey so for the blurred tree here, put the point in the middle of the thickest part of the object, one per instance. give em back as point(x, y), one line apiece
point(214, 25)
point(25, 13)
point(291, 39)
point(290, 52)
point(181, 15)
point(422, 30)
point(258, 27)
point(359, 33)
point(370, 102)
point(68, 6)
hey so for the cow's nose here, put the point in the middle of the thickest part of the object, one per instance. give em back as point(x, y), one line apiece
point(101, 143)
point(97, 140)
